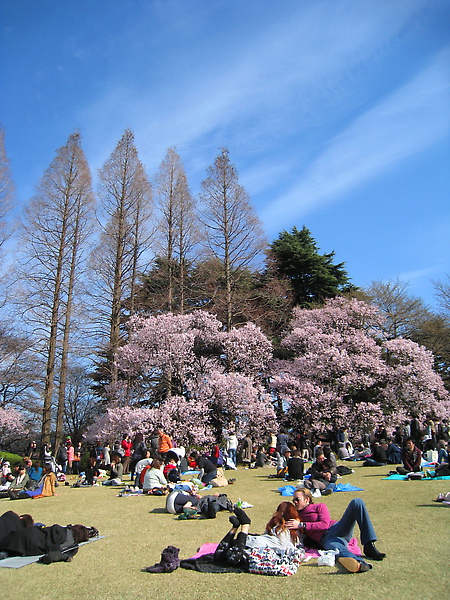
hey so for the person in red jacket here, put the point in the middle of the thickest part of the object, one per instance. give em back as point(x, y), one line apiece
point(314, 521)
point(411, 458)
point(127, 445)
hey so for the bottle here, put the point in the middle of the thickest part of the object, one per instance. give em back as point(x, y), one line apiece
point(239, 503)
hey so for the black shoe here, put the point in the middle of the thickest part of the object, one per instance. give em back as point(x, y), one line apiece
point(371, 552)
point(327, 492)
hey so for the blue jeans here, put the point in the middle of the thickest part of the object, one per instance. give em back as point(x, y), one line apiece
point(232, 454)
point(339, 534)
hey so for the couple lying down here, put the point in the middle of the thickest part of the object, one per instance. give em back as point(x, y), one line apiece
point(301, 523)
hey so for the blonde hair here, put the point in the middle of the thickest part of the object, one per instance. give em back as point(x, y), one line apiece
point(306, 493)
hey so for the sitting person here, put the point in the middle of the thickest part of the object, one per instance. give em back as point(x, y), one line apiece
point(153, 481)
point(140, 466)
point(35, 472)
point(18, 483)
point(393, 453)
point(282, 462)
point(115, 471)
point(295, 466)
point(411, 458)
point(323, 475)
point(443, 448)
point(91, 472)
point(314, 521)
point(11, 521)
point(378, 457)
point(46, 487)
point(6, 470)
point(170, 470)
point(208, 471)
point(261, 458)
point(56, 543)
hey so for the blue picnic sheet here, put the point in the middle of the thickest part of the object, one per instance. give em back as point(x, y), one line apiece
point(399, 477)
point(288, 490)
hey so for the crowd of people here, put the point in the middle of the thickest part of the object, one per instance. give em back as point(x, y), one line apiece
point(155, 466)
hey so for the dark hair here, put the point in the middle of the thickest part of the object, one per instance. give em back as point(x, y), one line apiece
point(156, 464)
point(80, 533)
point(285, 512)
point(27, 520)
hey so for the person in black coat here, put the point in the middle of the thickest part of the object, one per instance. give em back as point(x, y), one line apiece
point(11, 521)
point(56, 543)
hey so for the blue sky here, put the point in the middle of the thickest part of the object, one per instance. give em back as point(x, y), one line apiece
point(335, 112)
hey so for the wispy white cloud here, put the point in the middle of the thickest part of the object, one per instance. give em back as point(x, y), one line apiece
point(268, 80)
point(405, 123)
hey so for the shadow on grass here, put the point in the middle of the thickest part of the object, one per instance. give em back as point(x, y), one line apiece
point(158, 510)
point(434, 505)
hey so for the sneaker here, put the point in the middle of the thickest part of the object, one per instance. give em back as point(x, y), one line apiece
point(327, 492)
point(316, 494)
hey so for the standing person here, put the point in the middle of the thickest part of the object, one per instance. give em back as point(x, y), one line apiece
point(76, 459)
point(164, 443)
point(139, 452)
point(32, 450)
point(247, 449)
point(107, 455)
point(411, 458)
point(62, 458)
point(282, 441)
point(315, 522)
point(415, 431)
point(70, 456)
point(126, 446)
point(272, 444)
point(232, 445)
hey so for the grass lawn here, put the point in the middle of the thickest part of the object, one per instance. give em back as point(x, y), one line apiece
point(413, 530)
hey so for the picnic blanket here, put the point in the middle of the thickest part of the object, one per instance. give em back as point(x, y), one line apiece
point(202, 560)
point(16, 562)
point(288, 490)
point(398, 477)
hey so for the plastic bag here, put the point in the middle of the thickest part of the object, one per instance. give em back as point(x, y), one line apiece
point(327, 558)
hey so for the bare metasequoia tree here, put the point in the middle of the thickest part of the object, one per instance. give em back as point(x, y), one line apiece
point(56, 225)
point(232, 231)
point(7, 191)
point(177, 228)
point(127, 232)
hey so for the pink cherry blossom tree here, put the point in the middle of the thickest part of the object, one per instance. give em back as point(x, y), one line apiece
point(342, 374)
point(188, 366)
point(12, 427)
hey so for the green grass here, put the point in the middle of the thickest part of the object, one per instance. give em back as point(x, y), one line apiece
point(412, 529)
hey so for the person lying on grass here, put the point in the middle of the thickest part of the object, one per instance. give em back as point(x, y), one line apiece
point(314, 521)
point(56, 543)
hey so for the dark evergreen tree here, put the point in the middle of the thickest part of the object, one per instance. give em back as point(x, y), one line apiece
point(313, 276)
